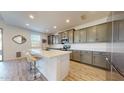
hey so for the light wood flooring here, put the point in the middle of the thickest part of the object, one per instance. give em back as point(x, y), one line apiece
point(83, 72)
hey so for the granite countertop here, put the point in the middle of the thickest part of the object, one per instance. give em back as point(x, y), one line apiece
point(81, 50)
point(48, 54)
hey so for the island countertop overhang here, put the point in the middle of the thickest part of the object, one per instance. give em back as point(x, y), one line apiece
point(48, 54)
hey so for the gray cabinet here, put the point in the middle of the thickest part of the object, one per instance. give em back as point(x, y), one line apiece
point(54, 39)
point(70, 36)
point(50, 39)
point(99, 60)
point(119, 30)
point(86, 57)
point(59, 39)
point(76, 36)
point(91, 34)
point(76, 55)
point(98, 33)
point(103, 32)
point(83, 35)
point(92, 58)
point(64, 35)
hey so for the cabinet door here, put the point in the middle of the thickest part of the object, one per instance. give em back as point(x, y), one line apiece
point(86, 57)
point(76, 55)
point(49, 40)
point(121, 30)
point(59, 38)
point(115, 31)
point(91, 34)
point(103, 32)
point(64, 35)
point(118, 31)
point(54, 39)
point(76, 36)
point(70, 36)
point(99, 60)
point(83, 35)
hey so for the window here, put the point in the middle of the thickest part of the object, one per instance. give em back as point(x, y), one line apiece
point(35, 41)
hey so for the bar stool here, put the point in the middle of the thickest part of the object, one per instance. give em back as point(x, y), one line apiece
point(32, 60)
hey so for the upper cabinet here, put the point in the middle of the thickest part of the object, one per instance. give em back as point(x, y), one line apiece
point(76, 36)
point(50, 39)
point(70, 36)
point(54, 39)
point(98, 33)
point(91, 34)
point(64, 35)
point(119, 31)
point(83, 35)
point(59, 38)
point(103, 32)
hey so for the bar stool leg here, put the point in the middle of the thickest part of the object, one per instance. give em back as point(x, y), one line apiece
point(35, 71)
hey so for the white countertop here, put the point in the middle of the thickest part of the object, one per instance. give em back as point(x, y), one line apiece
point(48, 54)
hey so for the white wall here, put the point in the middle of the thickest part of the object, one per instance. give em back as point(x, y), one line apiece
point(9, 47)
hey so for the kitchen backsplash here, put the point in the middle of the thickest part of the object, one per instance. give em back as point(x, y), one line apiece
point(104, 47)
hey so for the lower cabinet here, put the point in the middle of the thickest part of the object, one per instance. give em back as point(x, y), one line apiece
point(76, 55)
point(90, 57)
point(86, 57)
point(99, 60)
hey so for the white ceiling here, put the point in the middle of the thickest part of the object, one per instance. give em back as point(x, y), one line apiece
point(45, 20)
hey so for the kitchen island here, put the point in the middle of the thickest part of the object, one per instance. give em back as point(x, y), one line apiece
point(54, 64)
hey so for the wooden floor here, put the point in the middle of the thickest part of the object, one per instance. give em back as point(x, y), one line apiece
point(83, 72)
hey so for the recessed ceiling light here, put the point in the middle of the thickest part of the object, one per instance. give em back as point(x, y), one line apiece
point(54, 27)
point(27, 24)
point(31, 16)
point(67, 20)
